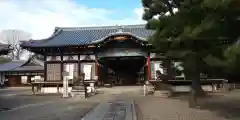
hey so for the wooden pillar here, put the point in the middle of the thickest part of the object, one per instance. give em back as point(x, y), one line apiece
point(149, 68)
point(45, 68)
point(62, 68)
point(79, 65)
point(96, 68)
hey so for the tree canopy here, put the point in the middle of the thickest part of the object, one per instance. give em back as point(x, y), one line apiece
point(197, 31)
point(203, 27)
point(195, 25)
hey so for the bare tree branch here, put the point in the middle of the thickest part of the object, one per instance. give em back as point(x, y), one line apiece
point(13, 37)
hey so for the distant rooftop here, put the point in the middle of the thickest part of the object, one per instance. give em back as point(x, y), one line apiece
point(11, 65)
point(22, 65)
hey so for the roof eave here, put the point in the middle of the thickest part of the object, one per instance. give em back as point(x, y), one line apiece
point(116, 34)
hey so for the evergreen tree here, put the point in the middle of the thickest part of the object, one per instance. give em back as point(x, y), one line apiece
point(192, 30)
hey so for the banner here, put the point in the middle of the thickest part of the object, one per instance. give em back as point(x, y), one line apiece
point(87, 69)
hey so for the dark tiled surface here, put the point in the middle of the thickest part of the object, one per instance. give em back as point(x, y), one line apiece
point(11, 65)
point(86, 35)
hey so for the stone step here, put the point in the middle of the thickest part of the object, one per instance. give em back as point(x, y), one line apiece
point(115, 110)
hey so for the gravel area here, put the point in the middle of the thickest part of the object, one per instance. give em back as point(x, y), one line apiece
point(64, 109)
point(221, 107)
point(20, 104)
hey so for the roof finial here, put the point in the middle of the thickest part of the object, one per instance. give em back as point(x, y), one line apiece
point(120, 29)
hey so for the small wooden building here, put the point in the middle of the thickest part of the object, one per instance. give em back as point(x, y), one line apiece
point(19, 73)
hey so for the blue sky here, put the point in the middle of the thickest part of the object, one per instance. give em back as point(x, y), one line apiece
point(40, 17)
point(111, 4)
point(123, 8)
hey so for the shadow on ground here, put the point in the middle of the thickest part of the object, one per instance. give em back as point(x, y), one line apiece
point(226, 105)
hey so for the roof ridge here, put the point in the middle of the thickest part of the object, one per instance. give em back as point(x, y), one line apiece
point(101, 27)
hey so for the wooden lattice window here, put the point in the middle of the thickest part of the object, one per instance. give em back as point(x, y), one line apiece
point(53, 72)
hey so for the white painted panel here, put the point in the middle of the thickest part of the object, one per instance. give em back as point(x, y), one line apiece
point(65, 57)
point(58, 58)
point(92, 57)
point(152, 55)
point(87, 69)
point(2, 78)
point(49, 58)
point(82, 57)
point(87, 57)
point(157, 66)
point(24, 79)
point(75, 57)
point(70, 69)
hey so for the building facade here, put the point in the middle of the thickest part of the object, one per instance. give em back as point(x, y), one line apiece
point(20, 72)
point(109, 54)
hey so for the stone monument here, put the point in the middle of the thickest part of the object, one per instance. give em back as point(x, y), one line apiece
point(79, 88)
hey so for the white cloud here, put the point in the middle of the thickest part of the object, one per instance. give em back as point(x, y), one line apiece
point(40, 17)
point(139, 12)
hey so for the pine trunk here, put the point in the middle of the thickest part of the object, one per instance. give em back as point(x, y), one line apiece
point(193, 73)
point(166, 74)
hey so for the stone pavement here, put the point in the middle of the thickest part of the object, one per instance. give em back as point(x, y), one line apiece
point(116, 104)
point(113, 110)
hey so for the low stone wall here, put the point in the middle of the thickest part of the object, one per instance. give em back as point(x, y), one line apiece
point(207, 88)
point(55, 90)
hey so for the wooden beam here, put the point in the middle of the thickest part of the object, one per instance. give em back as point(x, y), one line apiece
point(45, 68)
point(62, 68)
point(149, 68)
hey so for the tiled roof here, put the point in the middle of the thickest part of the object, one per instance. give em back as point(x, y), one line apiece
point(22, 65)
point(31, 65)
point(11, 65)
point(29, 68)
point(88, 35)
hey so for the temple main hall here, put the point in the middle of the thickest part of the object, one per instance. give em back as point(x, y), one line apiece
point(118, 55)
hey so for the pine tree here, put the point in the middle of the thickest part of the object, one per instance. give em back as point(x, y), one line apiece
point(192, 30)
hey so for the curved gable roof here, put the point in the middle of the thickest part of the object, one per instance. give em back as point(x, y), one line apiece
point(32, 64)
point(88, 35)
point(11, 65)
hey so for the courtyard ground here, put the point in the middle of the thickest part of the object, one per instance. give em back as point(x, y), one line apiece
point(222, 106)
point(20, 104)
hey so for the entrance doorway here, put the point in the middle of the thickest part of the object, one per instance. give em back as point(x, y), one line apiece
point(128, 70)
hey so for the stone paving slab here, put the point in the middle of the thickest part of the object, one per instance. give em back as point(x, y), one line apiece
point(113, 110)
